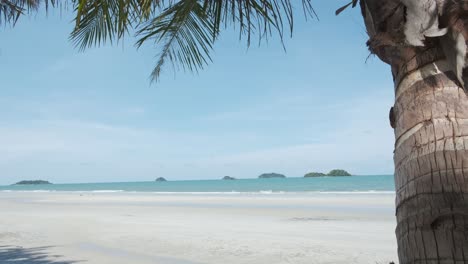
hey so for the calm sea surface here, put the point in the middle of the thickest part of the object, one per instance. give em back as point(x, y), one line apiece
point(354, 184)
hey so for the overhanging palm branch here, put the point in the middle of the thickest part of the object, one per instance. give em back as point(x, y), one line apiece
point(11, 10)
point(100, 20)
point(184, 29)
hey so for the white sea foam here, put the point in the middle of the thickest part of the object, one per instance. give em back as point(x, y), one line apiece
point(34, 191)
point(356, 192)
point(105, 191)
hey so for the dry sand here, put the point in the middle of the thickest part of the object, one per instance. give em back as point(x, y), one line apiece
point(123, 228)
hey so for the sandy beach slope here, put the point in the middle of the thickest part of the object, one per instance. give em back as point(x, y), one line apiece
point(122, 228)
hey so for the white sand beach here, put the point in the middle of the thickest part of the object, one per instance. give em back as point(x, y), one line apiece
point(122, 228)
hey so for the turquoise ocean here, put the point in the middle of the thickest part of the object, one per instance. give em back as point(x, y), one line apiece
point(354, 184)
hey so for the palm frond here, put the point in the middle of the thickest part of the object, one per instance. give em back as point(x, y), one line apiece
point(11, 10)
point(186, 30)
point(98, 21)
point(262, 17)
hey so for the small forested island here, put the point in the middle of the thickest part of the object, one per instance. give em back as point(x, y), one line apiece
point(332, 173)
point(228, 178)
point(35, 182)
point(271, 175)
point(314, 174)
point(339, 173)
point(161, 179)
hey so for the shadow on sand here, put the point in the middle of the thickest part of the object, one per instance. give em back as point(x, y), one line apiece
point(35, 255)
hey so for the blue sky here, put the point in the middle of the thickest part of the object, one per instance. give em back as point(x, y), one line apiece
point(69, 116)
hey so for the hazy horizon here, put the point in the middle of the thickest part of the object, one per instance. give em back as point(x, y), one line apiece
point(191, 179)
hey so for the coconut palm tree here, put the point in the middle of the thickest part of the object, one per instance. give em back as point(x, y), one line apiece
point(424, 42)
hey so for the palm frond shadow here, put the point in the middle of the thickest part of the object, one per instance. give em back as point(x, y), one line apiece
point(35, 255)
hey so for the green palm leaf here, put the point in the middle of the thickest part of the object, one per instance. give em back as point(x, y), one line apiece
point(100, 20)
point(185, 29)
point(11, 10)
point(188, 29)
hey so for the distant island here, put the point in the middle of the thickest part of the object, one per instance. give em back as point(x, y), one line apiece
point(314, 174)
point(35, 182)
point(161, 179)
point(271, 175)
point(339, 173)
point(332, 173)
point(228, 178)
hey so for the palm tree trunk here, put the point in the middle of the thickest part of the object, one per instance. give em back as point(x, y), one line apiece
point(430, 119)
point(431, 167)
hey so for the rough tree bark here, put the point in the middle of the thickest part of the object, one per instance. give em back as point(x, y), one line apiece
point(430, 119)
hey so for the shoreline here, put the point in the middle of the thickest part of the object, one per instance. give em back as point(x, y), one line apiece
point(146, 228)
